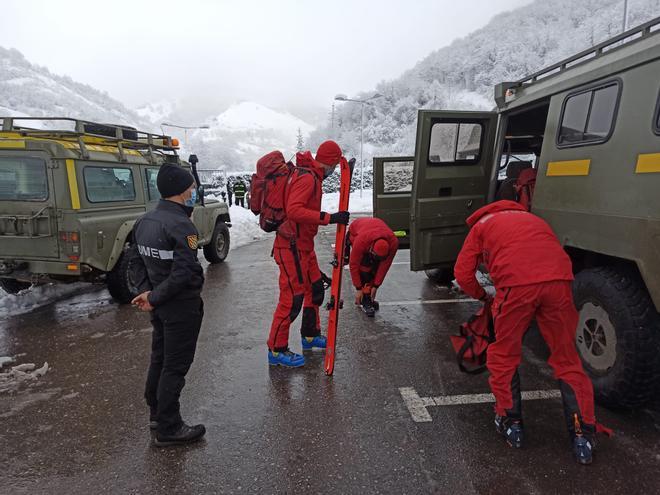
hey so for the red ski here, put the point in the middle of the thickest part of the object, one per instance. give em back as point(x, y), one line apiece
point(335, 304)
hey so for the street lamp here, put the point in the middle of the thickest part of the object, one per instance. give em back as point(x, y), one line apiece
point(185, 129)
point(365, 101)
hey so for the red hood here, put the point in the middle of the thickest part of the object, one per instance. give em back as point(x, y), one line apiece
point(305, 159)
point(495, 207)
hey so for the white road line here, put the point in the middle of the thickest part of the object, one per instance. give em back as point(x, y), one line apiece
point(430, 301)
point(417, 406)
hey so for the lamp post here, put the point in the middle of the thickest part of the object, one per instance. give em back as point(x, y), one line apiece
point(365, 101)
point(185, 129)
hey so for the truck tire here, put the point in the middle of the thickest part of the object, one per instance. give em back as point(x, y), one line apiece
point(120, 279)
point(216, 251)
point(13, 287)
point(442, 276)
point(618, 335)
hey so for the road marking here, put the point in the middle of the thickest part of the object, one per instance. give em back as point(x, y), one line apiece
point(401, 263)
point(417, 406)
point(430, 301)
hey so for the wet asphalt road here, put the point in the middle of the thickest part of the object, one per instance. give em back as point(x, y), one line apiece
point(82, 428)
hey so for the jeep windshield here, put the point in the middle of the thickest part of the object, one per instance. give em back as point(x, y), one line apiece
point(23, 179)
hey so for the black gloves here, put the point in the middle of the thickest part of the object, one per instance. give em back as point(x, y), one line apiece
point(340, 217)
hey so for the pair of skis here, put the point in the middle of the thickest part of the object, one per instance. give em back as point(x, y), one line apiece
point(335, 303)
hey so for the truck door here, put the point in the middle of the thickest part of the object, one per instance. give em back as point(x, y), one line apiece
point(392, 193)
point(28, 218)
point(453, 160)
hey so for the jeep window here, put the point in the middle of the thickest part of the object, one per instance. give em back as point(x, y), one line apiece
point(23, 179)
point(152, 187)
point(397, 177)
point(588, 117)
point(455, 143)
point(106, 184)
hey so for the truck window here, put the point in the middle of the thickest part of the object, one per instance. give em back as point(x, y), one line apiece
point(455, 143)
point(107, 184)
point(152, 187)
point(397, 177)
point(588, 117)
point(23, 179)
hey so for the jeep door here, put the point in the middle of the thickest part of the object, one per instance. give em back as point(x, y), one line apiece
point(28, 216)
point(453, 160)
point(392, 194)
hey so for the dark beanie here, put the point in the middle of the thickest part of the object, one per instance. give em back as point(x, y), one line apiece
point(173, 180)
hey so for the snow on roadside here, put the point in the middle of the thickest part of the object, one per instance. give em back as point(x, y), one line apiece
point(34, 297)
point(245, 226)
point(356, 204)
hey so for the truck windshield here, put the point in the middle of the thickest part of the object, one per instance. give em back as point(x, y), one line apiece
point(23, 179)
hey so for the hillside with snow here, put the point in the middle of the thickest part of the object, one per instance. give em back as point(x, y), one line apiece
point(29, 90)
point(461, 76)
point(244, 132)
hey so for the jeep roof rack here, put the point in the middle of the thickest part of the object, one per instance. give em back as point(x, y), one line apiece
point(633, 35)
point(121, 136)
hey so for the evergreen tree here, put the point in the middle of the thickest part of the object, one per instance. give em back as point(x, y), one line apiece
point(300, 143)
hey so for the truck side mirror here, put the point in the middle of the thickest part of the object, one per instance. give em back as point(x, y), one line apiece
point(193, 160)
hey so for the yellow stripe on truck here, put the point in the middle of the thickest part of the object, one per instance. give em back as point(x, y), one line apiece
point(12, 143)
point(648, 163)
point(73, 184)
point(568, 168)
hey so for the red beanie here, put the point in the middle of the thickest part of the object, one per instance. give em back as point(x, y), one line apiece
point(380, 248)
point(329, 153)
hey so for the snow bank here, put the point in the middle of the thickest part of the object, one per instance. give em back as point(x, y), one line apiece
point(245, 226)
point(34, 297)
point(356, 204)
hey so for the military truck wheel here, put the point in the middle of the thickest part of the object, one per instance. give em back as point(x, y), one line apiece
point(216, 251)
point(120, 279)
point(618, 335)
point(442, 276)
point(11, 286)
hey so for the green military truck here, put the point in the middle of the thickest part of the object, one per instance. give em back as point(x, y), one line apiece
point(70, 192)
point(588, 128)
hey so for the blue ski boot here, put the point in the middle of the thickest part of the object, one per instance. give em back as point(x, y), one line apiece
point(511, 430)
point(583, 441)
point(285, 358)
point(318, 342)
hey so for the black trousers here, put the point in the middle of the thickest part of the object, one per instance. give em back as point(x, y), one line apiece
point(240, 201)
point(174, 339)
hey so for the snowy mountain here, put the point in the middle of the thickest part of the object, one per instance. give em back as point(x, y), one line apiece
point(462, 75)
point(244, 132)
point(30, 90)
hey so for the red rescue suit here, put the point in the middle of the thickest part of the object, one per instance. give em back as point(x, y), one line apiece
point(367, 271)
point(301, 286)
point(533, 277)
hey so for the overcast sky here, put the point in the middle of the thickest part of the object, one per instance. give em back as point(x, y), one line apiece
point(284, 53)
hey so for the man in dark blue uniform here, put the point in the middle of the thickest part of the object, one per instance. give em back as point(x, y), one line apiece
point(170, 279)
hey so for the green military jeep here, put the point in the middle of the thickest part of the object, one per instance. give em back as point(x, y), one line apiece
point(588, 131)
point(70, 192)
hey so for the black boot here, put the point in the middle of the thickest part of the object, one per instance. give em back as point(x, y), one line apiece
point(368, 306)
point(185, 434)
point(511, 429)
point(153, 419)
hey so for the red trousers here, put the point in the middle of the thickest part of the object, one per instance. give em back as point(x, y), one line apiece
point(301, 287)
point(551, 303)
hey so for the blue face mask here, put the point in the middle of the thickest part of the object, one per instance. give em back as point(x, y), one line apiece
point(193, 198)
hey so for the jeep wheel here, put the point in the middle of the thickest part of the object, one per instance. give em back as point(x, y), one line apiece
point(618, 335)
point(11, 286)
point(442, 276)
point(216, 251)
point(120, 279)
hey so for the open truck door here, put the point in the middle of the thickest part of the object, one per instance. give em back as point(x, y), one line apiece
point(453, 160)
point(393, 178)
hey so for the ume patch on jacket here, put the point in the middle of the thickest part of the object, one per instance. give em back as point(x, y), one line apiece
point(192, 241)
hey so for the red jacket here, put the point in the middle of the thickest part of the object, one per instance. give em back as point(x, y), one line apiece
point(362, 233)
point(303, 203)
point(518, 248)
